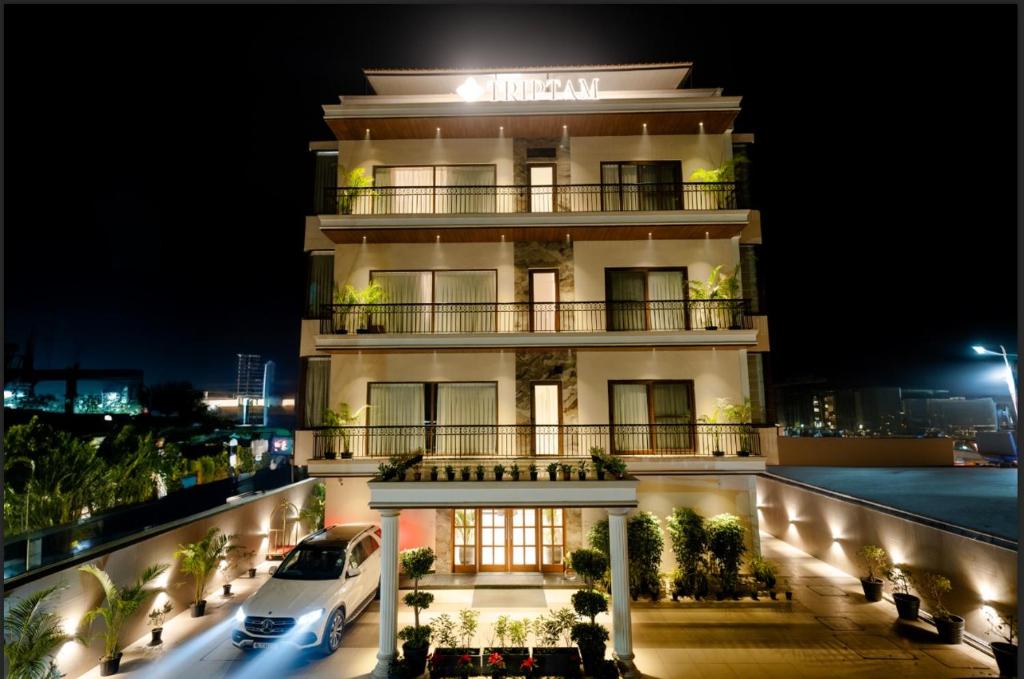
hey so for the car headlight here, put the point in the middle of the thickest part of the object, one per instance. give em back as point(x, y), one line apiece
point(240, 615)
point(311, 617)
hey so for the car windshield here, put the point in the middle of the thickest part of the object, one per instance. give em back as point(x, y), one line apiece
point(313, 563)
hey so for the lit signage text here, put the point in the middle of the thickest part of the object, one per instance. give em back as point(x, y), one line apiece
point(521, 88)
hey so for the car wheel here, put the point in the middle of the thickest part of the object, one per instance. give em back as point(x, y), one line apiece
point(333, 632)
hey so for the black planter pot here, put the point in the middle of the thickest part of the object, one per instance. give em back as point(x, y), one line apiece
point(330, 455)
point(600, 475)
point(718, 453)
point(415, 658)
point(556, 661)
point(773, 594)
point(252, 572)
point(417, 476)
point(907, 605)
point(592, 657)
point(515, 477)
point(433, 475)
point(567, 476)
point(347, 455)
point(951, 629)
point(1006, 658)
point(198, 609)
point(465, 476)
point(227, 589)
point(533, 476)
point(743, 453)
point(450, 475)
point(498, 476)
point(553, 476)
point(872, 589)
point(789, 596)
point(155, 635)
point(711, 327)
point(583, 476)
point(110, 666)
point(445, 662)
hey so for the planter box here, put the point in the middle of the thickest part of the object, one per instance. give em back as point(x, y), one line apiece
point(557, 661)
point(445, 662)
point(513, 656)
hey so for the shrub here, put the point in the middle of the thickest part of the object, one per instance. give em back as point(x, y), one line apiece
point(467, 625)
point(933, 588)
point(875, 560)
point(689, 545)
point(519, 631)
point(33, 635)
point(589, 634)
point(588, 603)
point(589, 564)
point(643, 536)
point(725, 542)
point(443, 627)
point(763, 571)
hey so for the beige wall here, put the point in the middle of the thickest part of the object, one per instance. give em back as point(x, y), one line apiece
point(348, 501)
point(865, 452)
point(250, 521)
point(695, 151)
point(351, 372)
point(979, 571)
point(717, 373)
point(698, 256)
point(368, 153)
point(353, 263)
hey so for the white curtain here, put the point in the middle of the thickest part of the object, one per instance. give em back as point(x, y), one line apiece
point(399, 407)
point(672, 407)
point(465, 188)
point(410, 290)
point(470, 409)
point(627, 300)
point(466, 301)
point(666, 292)
point(415, 194)
point(317, 389)
point(630, 417)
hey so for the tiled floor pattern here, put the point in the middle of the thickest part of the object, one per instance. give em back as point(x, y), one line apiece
point(828, 630)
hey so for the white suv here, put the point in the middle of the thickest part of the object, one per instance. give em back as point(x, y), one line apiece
point(329, 578)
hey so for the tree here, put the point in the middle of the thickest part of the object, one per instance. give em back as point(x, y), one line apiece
point(33, 635)
point(416, 563)
point(119, 603)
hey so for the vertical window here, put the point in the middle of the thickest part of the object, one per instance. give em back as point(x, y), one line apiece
point(749, 276)
point(646, 299)
point(464, 554)
point(652, 415)
point(325, 183)
point(316, 389)
point(552, 537)
point(319, 284)
point(524, 539)
point(492, 539)
point(755, 376)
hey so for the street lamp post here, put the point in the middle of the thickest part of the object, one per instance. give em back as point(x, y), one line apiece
point(1009, 371)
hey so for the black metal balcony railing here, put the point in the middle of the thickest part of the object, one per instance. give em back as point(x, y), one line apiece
point(519, 317)
point(539, 441)
point(396, 200)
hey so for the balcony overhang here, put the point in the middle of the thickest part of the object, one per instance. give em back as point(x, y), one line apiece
point(443, 494)
point(534, 120)
point(698, 465)
point(536, 340)
point(534, 226)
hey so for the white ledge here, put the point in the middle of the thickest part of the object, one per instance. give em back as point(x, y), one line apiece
point(440, 494)
point(538, 340)
point(533, 219)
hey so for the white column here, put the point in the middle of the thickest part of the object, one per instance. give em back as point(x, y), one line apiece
point(388, 591)
point(623, 639)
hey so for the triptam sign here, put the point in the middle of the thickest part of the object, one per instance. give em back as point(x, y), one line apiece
point(525, 88)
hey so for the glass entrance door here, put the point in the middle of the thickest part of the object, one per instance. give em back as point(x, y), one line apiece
point(493, 553)
point(542, 188)
point(544, 300)
point(503, 540)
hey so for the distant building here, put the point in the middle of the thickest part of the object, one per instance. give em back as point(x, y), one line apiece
point(956, 416)
point(249, 377)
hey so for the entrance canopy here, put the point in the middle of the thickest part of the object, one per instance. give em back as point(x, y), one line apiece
point(444, 494)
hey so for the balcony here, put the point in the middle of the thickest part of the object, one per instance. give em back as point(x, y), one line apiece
point(542, 442)
point(538, 324)
point(520, 212)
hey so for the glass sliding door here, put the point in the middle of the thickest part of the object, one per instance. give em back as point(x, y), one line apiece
point(646, 299)
point(546, 404)
point(316, 389)
point(666, 292)
point(641, 185)
point(673, 415)
point(627, 291)
point(543, 300)
point(542, 188)
point(492, 540)
point(467, 418)
point(464, 527)
point(630, 417)
point(408, 296)
point(523, 539)
point(465, 301)
point(396, 417)
point(402, 190)
point(465, 189)
point(652, 416)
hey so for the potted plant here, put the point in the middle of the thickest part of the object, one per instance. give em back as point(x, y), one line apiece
point(464, 472)
point(552, 471)
point(514, 471)
point(725, 543)
point(157, 616)
point(934, 587)
point(533, 472)
point(200, 559)
point(353, 182)
point(612, 465)
point(716, 417)
point(480, 472)
point(119, 604)
point(764, 574)
point(689, 545)
point(342, 419)
point(599, 469)
point(739, 414)
point(589, 564)
point(345, 298)
point(416, 563)
point(433, 472)
point(499, 472)
point(33, 635)
point(449, 657)
point(876, 561)
point(417, 473)
point(907, 605)
point(555, 656)
point(500, 656)
point(370, 300)
point(787, 588)
point(449, 472)
point(1004, 626)
point(581, 470)
point(566, 470)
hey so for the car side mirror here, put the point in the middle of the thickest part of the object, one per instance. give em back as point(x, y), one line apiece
point(353, 570)
point(273, 569)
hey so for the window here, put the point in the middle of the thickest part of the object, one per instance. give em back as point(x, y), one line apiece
point(646, 299)
point(440, 301)
point(454, 418)
point(358, 554)
point(316, 389)
point(755, 377)
point(325, 185)
point(749, 276)
point(653, 415)
point(641, 185)
point(521, 539)
point(464, 540)
point(444, 189)
point(319, 284)
point(309, 562)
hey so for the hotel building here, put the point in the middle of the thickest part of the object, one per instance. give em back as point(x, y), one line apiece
point(534, 236)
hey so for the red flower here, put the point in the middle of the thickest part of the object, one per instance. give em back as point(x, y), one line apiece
point(465, 659)
point(527, 664)
point(495, 660)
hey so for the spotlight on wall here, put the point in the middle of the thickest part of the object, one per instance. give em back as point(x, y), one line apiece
point(438, 238)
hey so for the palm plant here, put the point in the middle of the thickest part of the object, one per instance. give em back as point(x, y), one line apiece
point(119, 604)
point(313, 513)
point(33, 635)
point(200, 559)
point(349, 191)
point(341, 418)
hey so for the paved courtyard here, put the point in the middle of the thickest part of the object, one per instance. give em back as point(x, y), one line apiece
point(828, 630)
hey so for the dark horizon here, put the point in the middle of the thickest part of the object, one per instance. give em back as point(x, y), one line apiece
point(158, 171)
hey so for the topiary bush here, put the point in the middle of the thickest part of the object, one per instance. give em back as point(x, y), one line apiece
point(725, 542)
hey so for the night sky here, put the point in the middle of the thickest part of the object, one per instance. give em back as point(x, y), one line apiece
point(158, 173)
